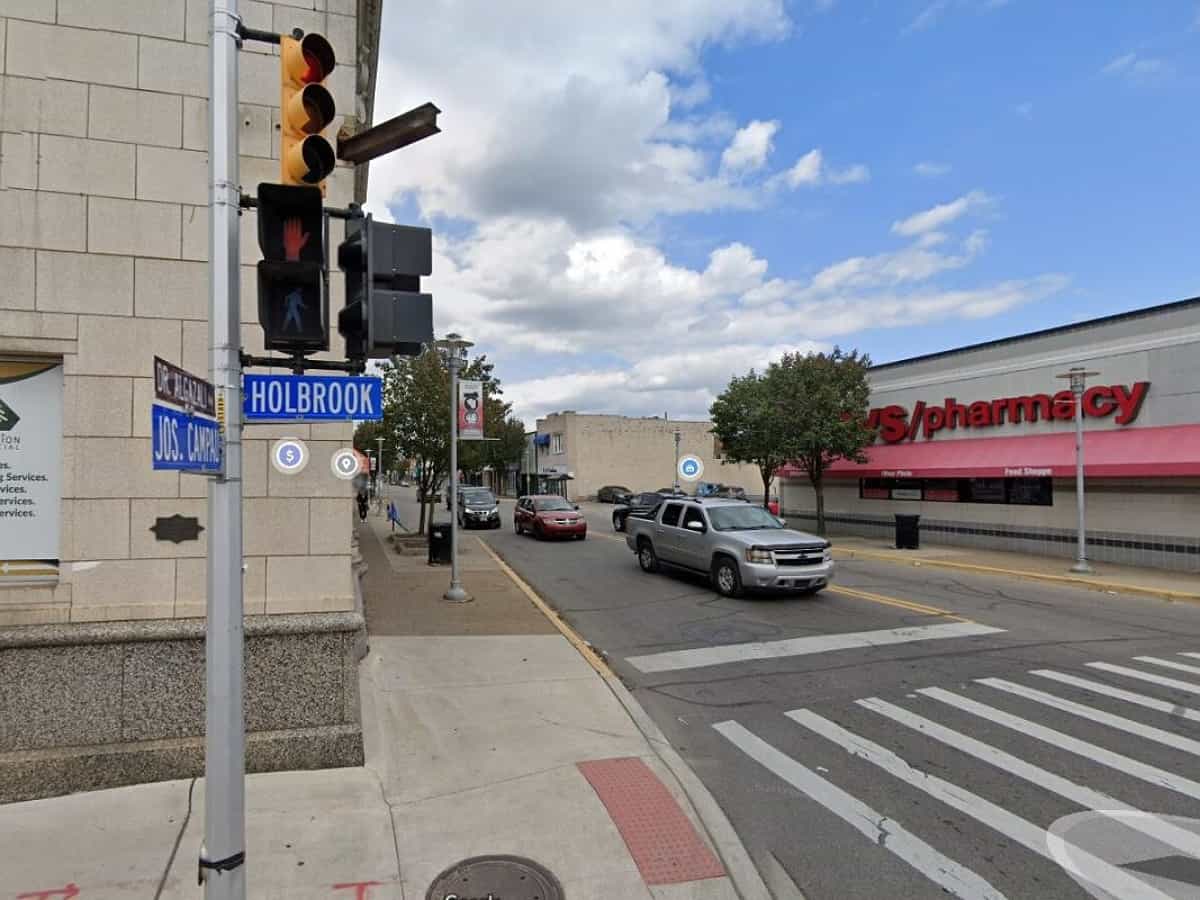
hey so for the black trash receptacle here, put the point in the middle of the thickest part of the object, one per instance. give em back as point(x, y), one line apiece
point(908, 532)
point(439, 542)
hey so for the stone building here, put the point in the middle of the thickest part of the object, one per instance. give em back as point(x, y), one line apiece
point(103, 249)
point(582, 453)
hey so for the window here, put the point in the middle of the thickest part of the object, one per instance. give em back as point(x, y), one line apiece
point(553, 504)
point(1012, 491)
point(671, 514)
point(556, 443)
point(693, 514)
point(741, 518)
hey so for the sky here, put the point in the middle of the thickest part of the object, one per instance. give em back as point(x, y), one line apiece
point(634, 201)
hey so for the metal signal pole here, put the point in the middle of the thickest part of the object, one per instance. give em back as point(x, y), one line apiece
point(455, 348)
point(222, 856)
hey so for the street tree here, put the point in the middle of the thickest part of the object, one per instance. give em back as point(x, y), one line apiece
point(821, 402)
point(745, 422)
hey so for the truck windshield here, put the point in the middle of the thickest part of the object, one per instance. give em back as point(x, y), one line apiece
point(741, 518)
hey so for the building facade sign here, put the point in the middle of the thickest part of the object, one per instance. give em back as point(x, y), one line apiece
point(31, 452)
point(897, 423)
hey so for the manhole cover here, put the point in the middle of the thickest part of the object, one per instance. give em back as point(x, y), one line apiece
point(496, 877)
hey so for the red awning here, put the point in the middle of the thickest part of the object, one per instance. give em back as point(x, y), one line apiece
point(1169, 451)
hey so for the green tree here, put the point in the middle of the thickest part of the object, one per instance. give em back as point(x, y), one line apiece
point(366, 439)
point(416, 422)
point(748, 427)
point(821, 402)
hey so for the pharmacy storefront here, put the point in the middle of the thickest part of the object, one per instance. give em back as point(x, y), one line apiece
point(980, 442)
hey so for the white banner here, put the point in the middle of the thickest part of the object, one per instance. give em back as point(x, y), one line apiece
point(470, 410)
point(31, 449)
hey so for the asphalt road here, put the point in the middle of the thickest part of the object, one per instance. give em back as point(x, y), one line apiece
point(898, 773)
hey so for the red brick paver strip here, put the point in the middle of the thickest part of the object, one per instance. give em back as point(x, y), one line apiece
point(660, 838)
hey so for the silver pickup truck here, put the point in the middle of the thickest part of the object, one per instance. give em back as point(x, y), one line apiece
point(738, 545)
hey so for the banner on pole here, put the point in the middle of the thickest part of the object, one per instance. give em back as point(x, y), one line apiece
point(470, 410)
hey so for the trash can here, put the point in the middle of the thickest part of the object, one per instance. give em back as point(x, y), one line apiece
point(908, 532)
point(439, 543)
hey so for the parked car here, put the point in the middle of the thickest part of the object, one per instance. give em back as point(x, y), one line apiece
point(738, 545)
point(478, 508)
point(611, 492)
point(640, 504)
point(730, 492)
point(549, 515)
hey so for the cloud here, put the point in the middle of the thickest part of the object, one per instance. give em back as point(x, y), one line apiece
point(811, 170)
point(940, 215)
point(929, 169)
point(751, 145)
point(933, 12)
point(1136, 67)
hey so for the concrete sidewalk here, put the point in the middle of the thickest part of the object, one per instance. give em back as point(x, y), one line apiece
point(486, 732)
point(1107, 577)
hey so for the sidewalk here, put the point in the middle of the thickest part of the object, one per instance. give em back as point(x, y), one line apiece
point(1107, 577)
point(486, 732)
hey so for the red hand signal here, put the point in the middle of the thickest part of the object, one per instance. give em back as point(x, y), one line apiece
point(293, 239)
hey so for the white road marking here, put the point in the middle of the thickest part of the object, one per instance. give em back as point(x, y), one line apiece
point(1149, 732)
point(878, 829)
point(1187, 686)
point(1104, 875)
point(1099, 687)
point(1093, 752)
point(1174, 836)
point(1169, 664)
point(672, 660)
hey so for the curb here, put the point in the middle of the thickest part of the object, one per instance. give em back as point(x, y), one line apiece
point(743, 874)
point(1076, 581)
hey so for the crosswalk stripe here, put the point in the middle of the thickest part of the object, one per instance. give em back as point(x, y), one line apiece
point(1169, 664)
point(1192, 655)
point(1099, 687)
point(672, 660)
point(1093, 752)
point(1175, 683)
point(1149, 732)
point(1164, 831)
point(1098, 872)
point(877, 828)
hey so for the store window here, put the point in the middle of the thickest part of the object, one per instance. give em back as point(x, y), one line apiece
point(556, 443)
point(1014, 491)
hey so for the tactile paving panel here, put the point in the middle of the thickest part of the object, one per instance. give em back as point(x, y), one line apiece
point(660, 838)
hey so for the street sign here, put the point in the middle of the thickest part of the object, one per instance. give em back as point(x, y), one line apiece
point(175, 386)
point(311, 398)
point(184, 442)
point(690, 468)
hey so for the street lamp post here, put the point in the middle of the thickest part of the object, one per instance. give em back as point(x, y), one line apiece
point(455, 349)
point(1078, 376)
point(378, 465)
point(676, 481)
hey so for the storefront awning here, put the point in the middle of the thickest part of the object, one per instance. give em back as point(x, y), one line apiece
point(1169, 451)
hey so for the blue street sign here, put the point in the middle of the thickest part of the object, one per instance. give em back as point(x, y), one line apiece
point(180, 441)
point(311, 398)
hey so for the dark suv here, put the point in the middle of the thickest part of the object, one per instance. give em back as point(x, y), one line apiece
point(640, 505)
point(478, 508)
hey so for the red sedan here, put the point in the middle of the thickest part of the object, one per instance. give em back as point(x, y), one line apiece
point(548, 515)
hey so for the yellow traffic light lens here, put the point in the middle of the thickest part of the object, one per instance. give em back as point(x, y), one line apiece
point(310, 110)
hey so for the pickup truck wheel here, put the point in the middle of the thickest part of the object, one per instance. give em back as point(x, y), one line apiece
point(726, 577)
point(647, 558)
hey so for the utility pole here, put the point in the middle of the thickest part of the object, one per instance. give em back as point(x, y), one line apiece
point(222, 856)
point(1077, 376)
point(455, 348)
point(676, 482)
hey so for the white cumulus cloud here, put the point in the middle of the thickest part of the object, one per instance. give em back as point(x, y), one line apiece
point(943, 214)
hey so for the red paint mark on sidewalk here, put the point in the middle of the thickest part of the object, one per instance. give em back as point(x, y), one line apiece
point(361, 888)
point(660, 838)
point(71, 890)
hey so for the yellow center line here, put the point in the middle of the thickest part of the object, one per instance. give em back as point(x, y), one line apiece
point(910, 605)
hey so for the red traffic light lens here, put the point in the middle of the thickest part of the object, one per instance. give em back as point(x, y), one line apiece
point(318, 58)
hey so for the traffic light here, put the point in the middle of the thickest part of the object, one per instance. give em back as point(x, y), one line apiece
point(386, 314)
point(293, 307)
point(306, 109)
